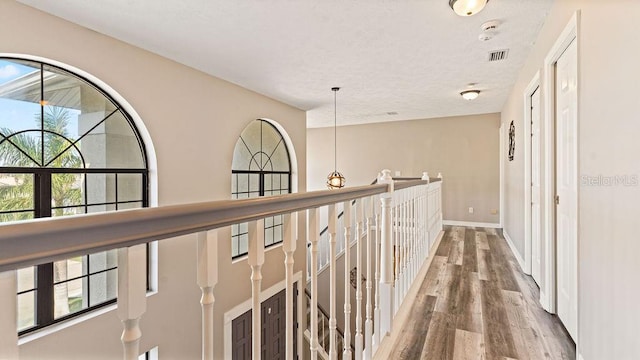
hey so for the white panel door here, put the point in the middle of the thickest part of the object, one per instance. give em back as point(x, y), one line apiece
point(567, 188)
point(536, 250)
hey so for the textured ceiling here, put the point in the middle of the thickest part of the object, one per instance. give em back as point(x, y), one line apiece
point(410, 57)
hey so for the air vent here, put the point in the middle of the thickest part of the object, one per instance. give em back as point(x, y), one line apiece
point(392, 113)
point(498, 55)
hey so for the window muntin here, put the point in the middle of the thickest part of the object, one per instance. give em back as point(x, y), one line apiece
point(261, 167)
point(65, 148)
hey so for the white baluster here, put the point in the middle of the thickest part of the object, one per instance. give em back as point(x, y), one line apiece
point(407, 244)
point(395, 213)
point(358, 338)
point(255, 260)
point(346, 353)
point(386, 258)
point(403, 245)
point(412, 217)
point(376, 308)
point(368, 325)
point(416, 230)
point(207, 278)
point(132, 297)
point(313, 239)
point(8, 309)
point(289, 248)
point(416, 222)
point(332, 216)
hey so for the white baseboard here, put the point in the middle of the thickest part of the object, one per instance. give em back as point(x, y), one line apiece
point(514, 250)
point(471, 224)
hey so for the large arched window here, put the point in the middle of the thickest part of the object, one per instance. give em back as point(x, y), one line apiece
point(261, 167)
point(66, 148)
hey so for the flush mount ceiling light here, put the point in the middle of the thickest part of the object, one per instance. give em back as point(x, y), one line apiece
point(467, 7)
point(335, 180)
point(470, 94)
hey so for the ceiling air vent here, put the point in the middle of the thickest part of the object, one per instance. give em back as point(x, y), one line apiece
point(498, 55)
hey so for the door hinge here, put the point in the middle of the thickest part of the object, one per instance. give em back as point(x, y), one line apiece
point(557, 199)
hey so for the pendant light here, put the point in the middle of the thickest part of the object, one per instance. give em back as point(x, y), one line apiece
point(467, 7)
point(335, 180)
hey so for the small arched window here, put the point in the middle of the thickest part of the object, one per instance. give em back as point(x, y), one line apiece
point(261, 167)
point(66, 148)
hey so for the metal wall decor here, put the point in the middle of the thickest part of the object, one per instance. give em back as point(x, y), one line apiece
point(353, 277)
point(512, 140)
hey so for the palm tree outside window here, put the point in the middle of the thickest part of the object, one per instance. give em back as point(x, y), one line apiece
point(66, 148)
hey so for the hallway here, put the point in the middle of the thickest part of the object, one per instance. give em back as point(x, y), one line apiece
point(475, 303)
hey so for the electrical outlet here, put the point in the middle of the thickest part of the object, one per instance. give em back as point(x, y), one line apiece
point(397, 173)
point(470, 210)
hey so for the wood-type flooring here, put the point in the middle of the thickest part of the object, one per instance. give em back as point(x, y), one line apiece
point(475, 303)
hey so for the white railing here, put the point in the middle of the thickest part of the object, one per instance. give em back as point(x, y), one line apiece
point(393, 225)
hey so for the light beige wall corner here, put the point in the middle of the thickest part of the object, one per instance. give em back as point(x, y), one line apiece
point(194, 120)
point(465, 149)
point(608, 129)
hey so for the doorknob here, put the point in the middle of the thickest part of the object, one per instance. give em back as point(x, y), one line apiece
point(557, 199)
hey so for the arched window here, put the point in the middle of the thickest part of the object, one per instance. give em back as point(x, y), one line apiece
point(66, 148)
point(261, 167)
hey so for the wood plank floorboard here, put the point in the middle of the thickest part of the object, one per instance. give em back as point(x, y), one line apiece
point(476, 303)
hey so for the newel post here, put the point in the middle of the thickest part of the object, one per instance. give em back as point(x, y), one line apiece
point(386, 256)
point(132, 297)
point(207, 278)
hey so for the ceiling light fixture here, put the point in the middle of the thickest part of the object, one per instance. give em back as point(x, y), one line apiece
point(470, 94)
point(467, 7)
point(335, 180)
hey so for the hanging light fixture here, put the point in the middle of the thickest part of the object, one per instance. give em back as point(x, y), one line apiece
point(335, 180)
point(467, 7)
point(470, 94)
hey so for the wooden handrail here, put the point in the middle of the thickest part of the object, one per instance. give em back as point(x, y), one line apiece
point(40, 241)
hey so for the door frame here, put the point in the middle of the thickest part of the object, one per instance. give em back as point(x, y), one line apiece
point(548, 292)
point(534, 85)
point(264, 295)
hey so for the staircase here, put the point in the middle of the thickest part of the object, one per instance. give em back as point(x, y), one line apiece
point(323, 331)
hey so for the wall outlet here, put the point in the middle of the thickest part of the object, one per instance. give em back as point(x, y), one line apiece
point(397, 173)
point(494, 212)
point(470, 210)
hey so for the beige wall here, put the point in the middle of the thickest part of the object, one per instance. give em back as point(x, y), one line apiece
point(608, 245)
point(465, 149)
point(194, 121)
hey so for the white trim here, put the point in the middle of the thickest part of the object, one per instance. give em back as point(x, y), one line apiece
point(388, 342)
point(246, 306)
point(580, 357)
point(569, 34)
point(293, 158)
point(513, 249)
point(471, 224)
point(502, 172)
point(534, 84)
point(543, 298)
